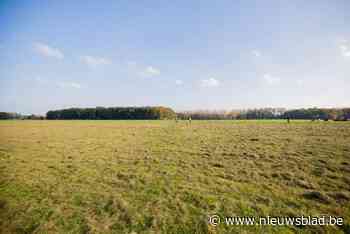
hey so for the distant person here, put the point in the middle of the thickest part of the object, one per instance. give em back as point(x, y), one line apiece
point(189, 119)
point(288, 120)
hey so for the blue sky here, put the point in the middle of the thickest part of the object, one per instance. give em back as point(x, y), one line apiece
point(188, 55)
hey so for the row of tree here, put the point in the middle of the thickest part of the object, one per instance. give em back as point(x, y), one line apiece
point(167, 113)
point(263, 113)
point(113, 113)
point(270, 113)
point(316, 113)
point(8, 115)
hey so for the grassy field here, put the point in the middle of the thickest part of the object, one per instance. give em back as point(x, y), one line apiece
point(167, 177)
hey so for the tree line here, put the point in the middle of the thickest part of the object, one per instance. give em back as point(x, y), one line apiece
point(120, 113)
point(113, 113)
point(10, 115)
point(270, 113)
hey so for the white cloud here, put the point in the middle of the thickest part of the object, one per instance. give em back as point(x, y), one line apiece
point(40, 80)
point(69, 85)
point(93, 62)
point(342, 40)
point(150, 71)
point(300, 82)
point(271, 80)
point(131, 63)
point(345, 50)
point(179, 82)
point(256, 53)
point(47, 51)
point(60, 84)
point(211, 82)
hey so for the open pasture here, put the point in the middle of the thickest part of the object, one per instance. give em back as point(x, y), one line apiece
point(167, 177)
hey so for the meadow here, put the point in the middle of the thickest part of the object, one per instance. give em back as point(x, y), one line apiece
point(167, 177)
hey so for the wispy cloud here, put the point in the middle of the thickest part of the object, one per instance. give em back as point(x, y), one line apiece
point(93, 62)
point(48, 51)
point(131, 63)
point(211, 82)
point(345, 50)
point(61, 84)
point(150, 71)
point(40, 80)
point(256, 53)
point(300, 82)
point(179, 82)
point(271, 80)
point(69, 85)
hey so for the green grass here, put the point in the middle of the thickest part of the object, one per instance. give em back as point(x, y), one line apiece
point(167, 177)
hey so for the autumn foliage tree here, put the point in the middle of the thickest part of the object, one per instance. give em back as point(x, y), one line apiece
point(113, 113)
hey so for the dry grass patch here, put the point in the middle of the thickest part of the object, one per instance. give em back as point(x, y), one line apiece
point(167, 177)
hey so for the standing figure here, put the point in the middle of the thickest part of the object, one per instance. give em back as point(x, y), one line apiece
point(189, 119)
